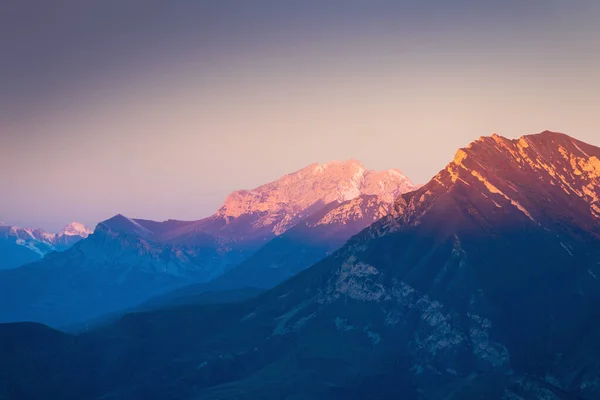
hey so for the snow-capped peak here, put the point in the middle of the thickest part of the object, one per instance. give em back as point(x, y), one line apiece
point(75, 229)
point(38, 241)
point(294, 196)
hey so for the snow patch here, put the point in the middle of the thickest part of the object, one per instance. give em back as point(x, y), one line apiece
point(579, 148)
point(564, 246)
point(342, 324)
point(75, 229)
point(282, 320)
point(375, 337)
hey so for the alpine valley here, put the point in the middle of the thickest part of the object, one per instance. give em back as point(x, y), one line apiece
point(483, 283)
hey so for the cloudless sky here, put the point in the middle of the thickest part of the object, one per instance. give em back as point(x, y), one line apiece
point(159, 109)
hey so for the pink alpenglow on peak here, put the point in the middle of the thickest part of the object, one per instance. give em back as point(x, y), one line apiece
point(285, 201)
point(535, 177)
point(75, 229)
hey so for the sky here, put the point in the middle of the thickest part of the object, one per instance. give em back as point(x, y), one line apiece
point(158, 109)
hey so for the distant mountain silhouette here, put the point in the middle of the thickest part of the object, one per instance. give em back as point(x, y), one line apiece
point(19, 246)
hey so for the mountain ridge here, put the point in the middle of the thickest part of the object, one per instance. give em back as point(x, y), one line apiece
point(299, 247)
point(131, 260)
point(22, 245)
point(575, 165)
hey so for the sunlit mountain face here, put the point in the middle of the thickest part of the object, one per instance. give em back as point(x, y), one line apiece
point(482, 283)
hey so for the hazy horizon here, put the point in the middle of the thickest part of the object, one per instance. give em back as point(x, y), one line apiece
point(159, 110)
point(92, 224)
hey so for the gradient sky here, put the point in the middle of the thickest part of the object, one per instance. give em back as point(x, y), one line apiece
point(159, 109)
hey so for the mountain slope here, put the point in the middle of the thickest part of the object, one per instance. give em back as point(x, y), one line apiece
point(484, 284)
point(126, 260)
point(549, 176)
point(267, 211)
point(289, 253)
point(19, 246)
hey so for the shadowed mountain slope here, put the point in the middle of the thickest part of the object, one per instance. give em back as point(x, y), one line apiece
point(287, 254)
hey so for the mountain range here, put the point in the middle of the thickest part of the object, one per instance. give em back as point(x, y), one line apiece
point(19, 246)
point(289, 253)
point(127, 261)
point(483, 283)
